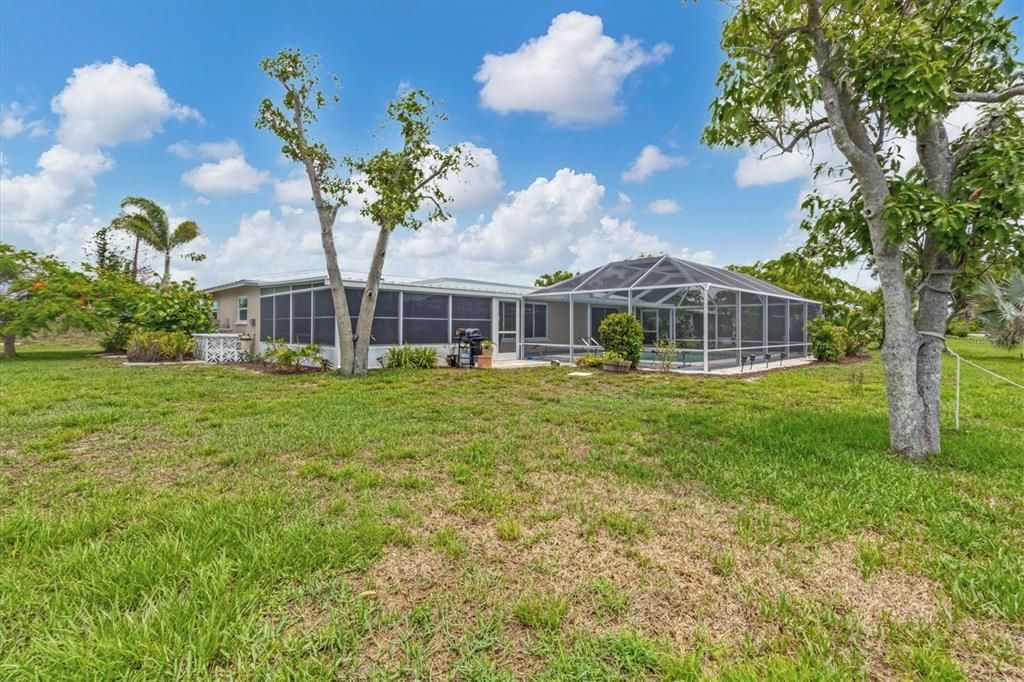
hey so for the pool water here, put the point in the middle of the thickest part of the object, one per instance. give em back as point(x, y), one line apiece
point(680, 356)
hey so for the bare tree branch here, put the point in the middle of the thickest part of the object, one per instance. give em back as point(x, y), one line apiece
point(1015, 90)
point(988, 125)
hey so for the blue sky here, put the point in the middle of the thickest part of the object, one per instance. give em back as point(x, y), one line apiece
point(103, 100)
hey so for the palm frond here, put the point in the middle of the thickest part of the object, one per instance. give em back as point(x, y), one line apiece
point(138, 225)
point(154, 213)
point(184, 233)
point(1001, 307)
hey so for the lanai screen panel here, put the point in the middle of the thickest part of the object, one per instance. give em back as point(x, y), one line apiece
point(745, 317)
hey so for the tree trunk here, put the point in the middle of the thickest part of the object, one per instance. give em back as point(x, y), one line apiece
point(902, 342)
point(327, 214)
point(343, 322)
point(165, 281)
point(135, 261)
point(9, 351)
point(364, 327)
point(900, 352)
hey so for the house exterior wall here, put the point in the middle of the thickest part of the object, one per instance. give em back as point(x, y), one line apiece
point(558, 321)
point(408, 320)
point(227, 310)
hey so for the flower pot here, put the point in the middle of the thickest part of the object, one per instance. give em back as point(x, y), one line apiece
point(616, 366)
point(484, 361)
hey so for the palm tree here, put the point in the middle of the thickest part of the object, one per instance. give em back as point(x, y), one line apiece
point(145, 220)
point(1001, 308)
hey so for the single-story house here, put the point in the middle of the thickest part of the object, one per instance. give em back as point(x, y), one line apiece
point(748, 318)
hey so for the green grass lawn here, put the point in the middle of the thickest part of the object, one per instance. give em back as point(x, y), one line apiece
point(200, 521)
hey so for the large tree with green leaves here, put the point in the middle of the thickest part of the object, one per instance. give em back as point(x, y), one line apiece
point(148, 223)
point(39, 293)
point(549, 278)
point(866, 74)
point(398, 188)
point(808, 277)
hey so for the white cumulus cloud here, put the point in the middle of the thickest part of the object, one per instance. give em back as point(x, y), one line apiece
point(476, 185)
point(106, 104)
point(206, 150)
point(101, 106)
point(14, 120)
point(232, 175)
point(651, 160)
point(611, 240)
point(573, 73)
point(293, 191)
point(536, 224)
point(663, 206)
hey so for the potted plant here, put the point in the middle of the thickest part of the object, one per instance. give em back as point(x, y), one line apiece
point(614, 362)
point(485, 359)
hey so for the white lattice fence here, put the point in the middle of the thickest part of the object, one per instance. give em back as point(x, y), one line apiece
point(218, 347)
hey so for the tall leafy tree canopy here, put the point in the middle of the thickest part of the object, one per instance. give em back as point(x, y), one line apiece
point(809, 277)
point(39, 293)
point(549, 278)
point(865, 76)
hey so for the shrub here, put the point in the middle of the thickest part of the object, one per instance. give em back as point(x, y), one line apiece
point(622, 333)
point(150, 346)
point(130, 306)
point(589, 360)
point(858, 333)
point(284, 356)
point(411, 357)
point(424, 357)
point(180, 307)
point(611, 356)
point(665, 351)
point(959, 327)
point(829, 341)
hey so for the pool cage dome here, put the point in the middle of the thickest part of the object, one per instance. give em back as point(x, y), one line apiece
point(748, 321)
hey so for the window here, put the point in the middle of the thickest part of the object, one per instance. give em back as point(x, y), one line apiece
point(472, 312)
point(243, 309)
point(649, 322)
point(776, 324)
point(384, 328)
point(266, 317)
point(282, 316)
point(597, 315)
point(536, 320)
point(425, 318)
point(752, 307)
point(302, 317)
point(323, 317)
point(797, 319)
point(216, 309)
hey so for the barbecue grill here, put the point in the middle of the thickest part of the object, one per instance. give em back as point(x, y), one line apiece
point(468, 345)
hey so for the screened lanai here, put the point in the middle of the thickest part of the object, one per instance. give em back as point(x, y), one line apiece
point(749, 322)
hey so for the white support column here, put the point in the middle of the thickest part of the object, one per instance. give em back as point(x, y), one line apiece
point(705, 288)
point(764, 318)
point(785, 347)
point(805, 346)
point(739, 327)
point(572, 330)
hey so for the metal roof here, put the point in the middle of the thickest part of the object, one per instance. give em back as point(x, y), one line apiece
point(305, 276)
point(660, 272)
